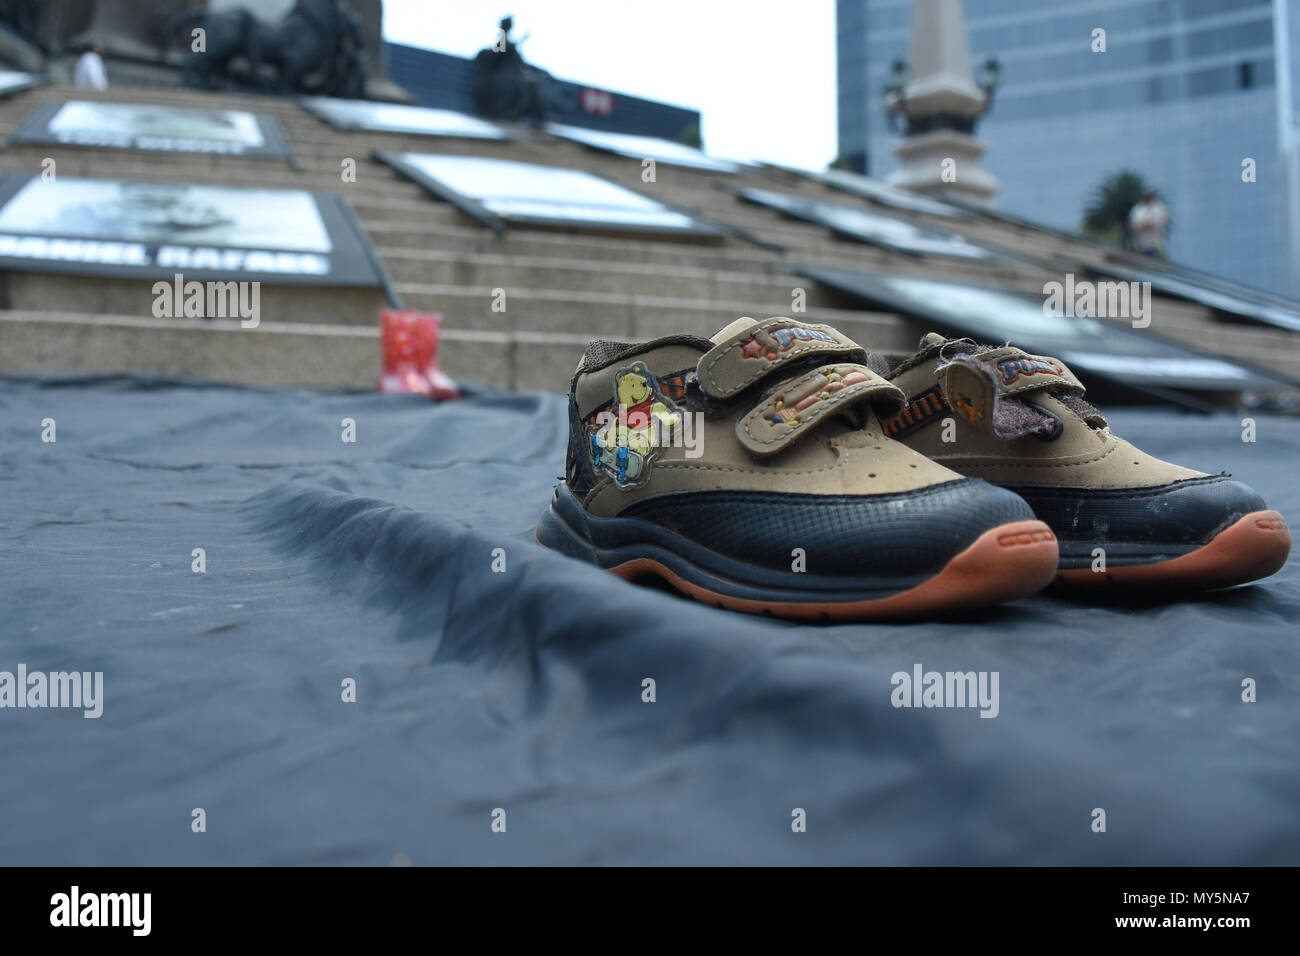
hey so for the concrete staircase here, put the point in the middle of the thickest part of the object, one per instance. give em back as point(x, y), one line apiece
point(561, 287)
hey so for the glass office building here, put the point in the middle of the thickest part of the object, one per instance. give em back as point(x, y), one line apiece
point(1185, 91)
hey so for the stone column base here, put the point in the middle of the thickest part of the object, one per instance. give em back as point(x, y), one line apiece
point(922, 166)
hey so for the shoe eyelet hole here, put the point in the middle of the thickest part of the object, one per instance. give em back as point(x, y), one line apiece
point(871, 474)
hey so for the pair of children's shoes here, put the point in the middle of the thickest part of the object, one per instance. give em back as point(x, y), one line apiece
point(780, 468)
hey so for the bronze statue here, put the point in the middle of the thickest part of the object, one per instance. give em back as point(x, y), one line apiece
point(505, 87)
point(317, 48)
point(23, 17)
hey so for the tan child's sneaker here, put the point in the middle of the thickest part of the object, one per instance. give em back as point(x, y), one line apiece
point(1121, 516)
point(750, 471)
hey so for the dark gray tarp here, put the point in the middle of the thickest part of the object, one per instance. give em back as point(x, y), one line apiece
point(522, 689)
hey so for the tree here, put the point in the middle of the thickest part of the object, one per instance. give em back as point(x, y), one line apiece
point(1105, 216)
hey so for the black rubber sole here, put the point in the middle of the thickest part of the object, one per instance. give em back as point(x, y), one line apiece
point(1250, 548)
point(1004, 562)
point(1139, 526)
point(611, 542)
point(1078, 553)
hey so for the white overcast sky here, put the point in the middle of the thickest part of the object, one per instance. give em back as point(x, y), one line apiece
point(761, 72)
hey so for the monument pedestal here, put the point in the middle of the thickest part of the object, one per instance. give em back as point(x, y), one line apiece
point(939, 154)
point(922, 166)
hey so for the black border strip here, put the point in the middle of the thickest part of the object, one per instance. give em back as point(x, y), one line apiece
point(931, 905)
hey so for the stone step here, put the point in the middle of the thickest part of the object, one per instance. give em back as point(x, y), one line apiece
point(730, 255)
point(631, 317)
point(282, 354)
point(472, 239)
point(464, 234)
point(445, 267)
point(34, 291)
point(347, 356)
point(610, 313)
point(274, 354)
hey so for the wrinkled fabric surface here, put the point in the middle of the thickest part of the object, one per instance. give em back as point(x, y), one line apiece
point(522, 689)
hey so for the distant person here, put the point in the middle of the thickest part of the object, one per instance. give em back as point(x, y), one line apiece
point(1147, 222)
point(90, 72)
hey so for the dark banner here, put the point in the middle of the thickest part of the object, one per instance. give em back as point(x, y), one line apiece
point(447, 81)
point(143, 126)
point(126, 229)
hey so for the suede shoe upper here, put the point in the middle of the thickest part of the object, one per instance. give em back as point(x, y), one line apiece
point(775, 406)
point(768, 437)
point(750, 471)
point(1021, 420)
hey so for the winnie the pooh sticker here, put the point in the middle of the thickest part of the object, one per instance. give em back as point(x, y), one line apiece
point(626, 439)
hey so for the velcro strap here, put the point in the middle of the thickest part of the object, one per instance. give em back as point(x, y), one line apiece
point(795, 407)
point(732, 366)
point(975, 384)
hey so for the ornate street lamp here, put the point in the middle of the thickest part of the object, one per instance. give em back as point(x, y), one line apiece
point(987, 80)
point(895, 92)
